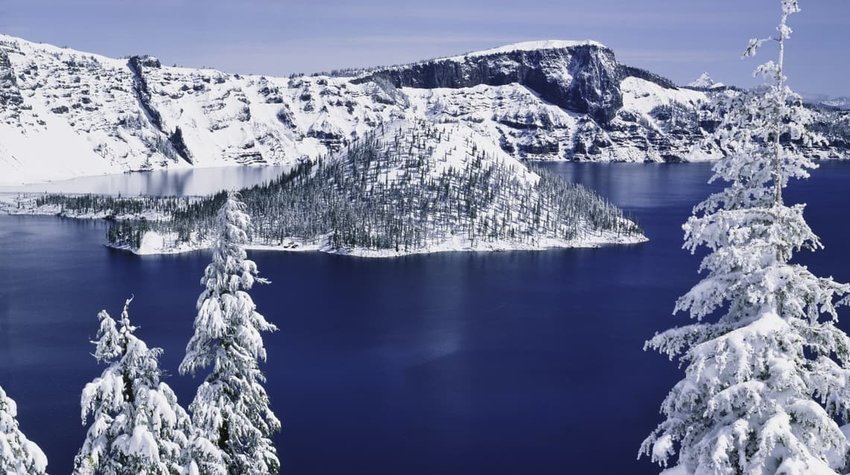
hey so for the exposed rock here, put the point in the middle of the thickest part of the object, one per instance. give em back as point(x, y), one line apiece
point(9, 93)
point(582, 78)
point(137, 65)
point(176, 140)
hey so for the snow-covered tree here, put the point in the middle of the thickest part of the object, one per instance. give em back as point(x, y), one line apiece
point(137, 425)
point(18, 455)
point(767, 377)
point(231, 407)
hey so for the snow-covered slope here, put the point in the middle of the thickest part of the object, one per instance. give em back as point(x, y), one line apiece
point(530, 46)
point(65, 113)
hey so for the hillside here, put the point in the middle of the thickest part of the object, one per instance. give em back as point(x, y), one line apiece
point(407, 187)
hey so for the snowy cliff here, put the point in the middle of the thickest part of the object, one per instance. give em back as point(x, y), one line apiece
point(65, 113)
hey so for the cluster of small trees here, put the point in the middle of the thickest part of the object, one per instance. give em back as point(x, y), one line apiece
point(136, 424)
point(111, 206)
point(834, 126)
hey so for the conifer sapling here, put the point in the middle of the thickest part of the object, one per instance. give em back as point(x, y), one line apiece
point(231, 406)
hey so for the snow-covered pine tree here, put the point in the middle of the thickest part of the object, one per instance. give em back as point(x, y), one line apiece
point(231, 407)
point(137, 425)
point(18, 455)
point(767, 379)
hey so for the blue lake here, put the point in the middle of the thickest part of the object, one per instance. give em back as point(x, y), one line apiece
point(181, 182)
point(500, 363)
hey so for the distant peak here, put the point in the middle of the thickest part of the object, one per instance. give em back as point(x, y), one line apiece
point(704, 81)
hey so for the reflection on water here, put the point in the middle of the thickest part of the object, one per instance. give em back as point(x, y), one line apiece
point(626, 184)
point(637, 185)
point(181, 182)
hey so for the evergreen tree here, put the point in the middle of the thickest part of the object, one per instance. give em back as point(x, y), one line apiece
point(18, 455)
point(137, 425)
point(766, 382)
point(231, 406)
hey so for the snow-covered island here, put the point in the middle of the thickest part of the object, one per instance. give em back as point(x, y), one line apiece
point(407, 188)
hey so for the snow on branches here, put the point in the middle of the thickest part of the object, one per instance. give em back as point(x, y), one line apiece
point(767, 376)
point(137, 426)
point(231, 406)
point(18, 455)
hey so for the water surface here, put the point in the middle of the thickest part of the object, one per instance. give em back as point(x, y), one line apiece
point(176, 182)
point(462, 363)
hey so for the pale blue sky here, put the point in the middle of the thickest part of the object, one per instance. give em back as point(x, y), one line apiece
point(676, 38)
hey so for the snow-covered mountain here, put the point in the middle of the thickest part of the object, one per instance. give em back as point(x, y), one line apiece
point(842, 103)
point(825, 100)
point(704, 81)
point(65, 113)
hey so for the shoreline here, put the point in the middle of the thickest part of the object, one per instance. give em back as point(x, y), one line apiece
point(451, 245)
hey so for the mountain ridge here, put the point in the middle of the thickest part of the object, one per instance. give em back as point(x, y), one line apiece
point(65, 113)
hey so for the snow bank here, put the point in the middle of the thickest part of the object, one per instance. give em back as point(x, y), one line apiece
point(154, 243)
point(531, 46)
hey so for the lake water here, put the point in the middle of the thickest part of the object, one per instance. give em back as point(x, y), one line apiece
point(179, 182)
point(501, 363)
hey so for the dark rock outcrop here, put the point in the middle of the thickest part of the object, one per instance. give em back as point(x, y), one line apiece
point(137, 65)
point(631, 71)
point(179, 145)
point(9, 93)
point(584, 78)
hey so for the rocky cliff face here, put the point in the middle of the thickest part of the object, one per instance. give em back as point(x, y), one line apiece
point(583, 78)
point(10, 96)
point(65, 113)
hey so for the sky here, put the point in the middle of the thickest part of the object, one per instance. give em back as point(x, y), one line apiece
point(679, 39)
